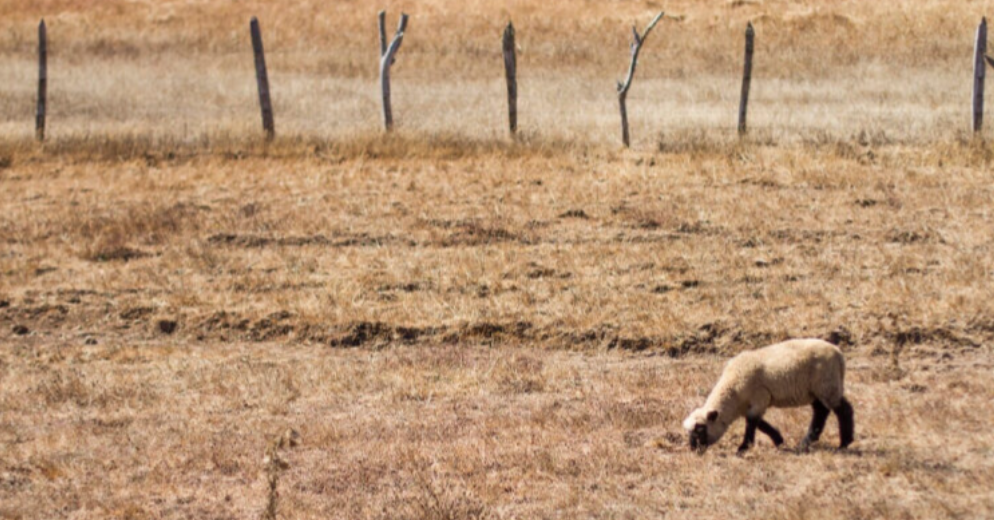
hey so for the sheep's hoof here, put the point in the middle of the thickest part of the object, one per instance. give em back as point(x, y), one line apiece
point(804, 447)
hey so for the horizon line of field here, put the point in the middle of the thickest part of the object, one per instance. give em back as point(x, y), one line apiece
point(388, 56)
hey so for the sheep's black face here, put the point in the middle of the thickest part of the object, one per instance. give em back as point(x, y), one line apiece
point(699, 438)
point(704, 429)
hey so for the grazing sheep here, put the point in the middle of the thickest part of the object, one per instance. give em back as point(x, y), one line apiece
point(793, 373)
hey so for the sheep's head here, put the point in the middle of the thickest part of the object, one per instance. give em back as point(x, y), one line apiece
point(704, 428)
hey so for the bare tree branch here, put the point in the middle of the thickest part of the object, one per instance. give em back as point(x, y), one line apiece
point(637, 41)
point(386, 60)
point(636, 47)
point(383, 32)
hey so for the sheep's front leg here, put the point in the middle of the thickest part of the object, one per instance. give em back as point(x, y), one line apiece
point(770, 432)
point(750, 434)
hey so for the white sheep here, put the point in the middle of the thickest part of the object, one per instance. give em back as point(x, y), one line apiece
point(793, 373)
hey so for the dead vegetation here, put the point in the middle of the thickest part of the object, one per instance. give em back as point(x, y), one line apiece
point(171, 76)
point(443, 323)
point(362, 252)
point(463, 432)
point(526, 347)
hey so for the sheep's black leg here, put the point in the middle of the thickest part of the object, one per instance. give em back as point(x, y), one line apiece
point(750, 435)
point(770, 432)
point(821, 413)
point(846, 424)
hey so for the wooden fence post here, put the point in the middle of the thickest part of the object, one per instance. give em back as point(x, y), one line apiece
point(510, 70)
point(387, 57)
point(746, 77)
point(262, 79)
point(637, 41)
point(979, 51)
point(42, 81)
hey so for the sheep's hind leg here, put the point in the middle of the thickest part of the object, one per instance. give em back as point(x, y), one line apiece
point(770, 432)
point(750, 434)
point(821, 413)
point(847, 426)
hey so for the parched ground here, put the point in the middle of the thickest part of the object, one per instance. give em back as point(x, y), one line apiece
point(456, 325)
point(459, 330)
point(160, 430)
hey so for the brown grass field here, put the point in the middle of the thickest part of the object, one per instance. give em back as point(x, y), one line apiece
point(461, 325)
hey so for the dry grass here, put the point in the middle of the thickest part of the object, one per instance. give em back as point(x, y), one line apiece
point(478, 335)
point(461, 326)
point(896, 70)
point(678, 251)
point(165, 431)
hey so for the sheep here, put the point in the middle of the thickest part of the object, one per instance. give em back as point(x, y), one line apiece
point(789, 374)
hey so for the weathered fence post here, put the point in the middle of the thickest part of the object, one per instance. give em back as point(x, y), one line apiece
point(979, 51)
point(746, 77)
point(262, 78)
point(637, 41)
point(42, 81)
point(510, 70)
point(387, 56)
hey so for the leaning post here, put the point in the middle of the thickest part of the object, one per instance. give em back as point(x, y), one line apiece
point(637, 41)
point(42, 81)
point(510, 71)
point(262, 79)
point(746, 77)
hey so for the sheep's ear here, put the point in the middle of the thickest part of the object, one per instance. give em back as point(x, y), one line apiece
point(712, 415)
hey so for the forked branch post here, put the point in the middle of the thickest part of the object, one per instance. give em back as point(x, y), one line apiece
point(637, 41)
point(388, 55)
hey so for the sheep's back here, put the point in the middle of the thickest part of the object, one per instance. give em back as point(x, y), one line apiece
point(797, 372)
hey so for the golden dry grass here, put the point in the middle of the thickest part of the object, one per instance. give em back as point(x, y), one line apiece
point(163, 319)
point(164, 431)
point(461, 326)
point(898, 71)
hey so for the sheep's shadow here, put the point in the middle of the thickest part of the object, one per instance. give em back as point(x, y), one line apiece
point(828, 448)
